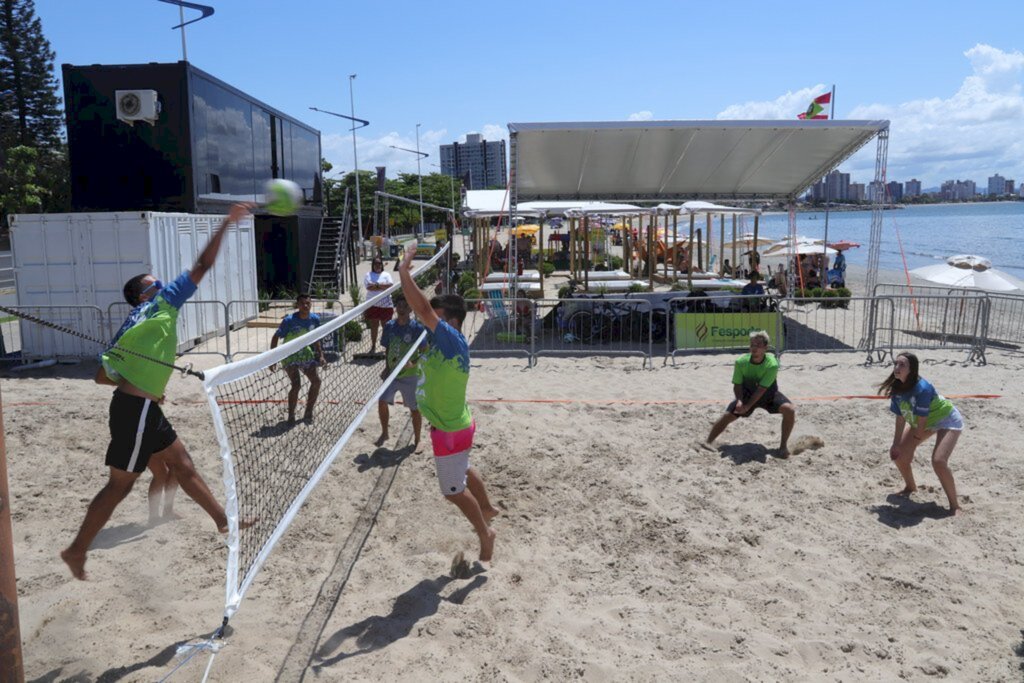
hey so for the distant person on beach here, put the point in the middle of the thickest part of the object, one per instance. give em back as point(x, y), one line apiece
point(920, 414)
point(376, 281)
point(398, 337)
point(138, 429)
point(305, 361)
point(754, 385)
point(444, 372)
point(726, 269)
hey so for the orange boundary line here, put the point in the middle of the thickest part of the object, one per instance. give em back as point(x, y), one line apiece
point(611, 401)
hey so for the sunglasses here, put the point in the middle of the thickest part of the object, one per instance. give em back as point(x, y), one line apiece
point(157, 285)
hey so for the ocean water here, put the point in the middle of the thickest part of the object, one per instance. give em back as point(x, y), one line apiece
point(929, 233)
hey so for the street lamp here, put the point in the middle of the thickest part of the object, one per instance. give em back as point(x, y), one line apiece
point(355, 160)
point(422, 155)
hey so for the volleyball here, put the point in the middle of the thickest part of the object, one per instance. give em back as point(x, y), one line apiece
point(283, 197)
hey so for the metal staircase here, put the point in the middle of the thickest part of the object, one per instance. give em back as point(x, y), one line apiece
point(325, 279)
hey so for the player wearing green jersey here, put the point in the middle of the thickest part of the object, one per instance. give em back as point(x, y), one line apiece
point(754, 386)
point(138, 429)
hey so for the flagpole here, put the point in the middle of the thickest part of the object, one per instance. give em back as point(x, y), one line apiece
point(832, 110)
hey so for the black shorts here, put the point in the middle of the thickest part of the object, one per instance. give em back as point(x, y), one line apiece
point(138, 429)
point(770, 401)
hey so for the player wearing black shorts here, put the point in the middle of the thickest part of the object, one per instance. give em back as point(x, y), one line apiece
point(754, 385)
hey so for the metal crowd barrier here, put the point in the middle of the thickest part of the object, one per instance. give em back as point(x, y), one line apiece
point(1004, 328)
point(33, 341)
point(937, 322)
point(836, 324)
point(596, 326)
point(202, 327)
point(501, 327)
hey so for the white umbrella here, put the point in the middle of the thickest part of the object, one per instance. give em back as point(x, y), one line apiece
point(747, 240)
point(788, 249)
point(973, 272)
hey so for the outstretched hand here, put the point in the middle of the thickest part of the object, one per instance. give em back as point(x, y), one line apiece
point(410, 254)
point(239, 211)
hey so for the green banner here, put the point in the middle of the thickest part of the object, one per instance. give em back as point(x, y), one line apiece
point(723, 330)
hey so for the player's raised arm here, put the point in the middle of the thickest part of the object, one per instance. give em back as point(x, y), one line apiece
point(209, 254)
point(418, 301)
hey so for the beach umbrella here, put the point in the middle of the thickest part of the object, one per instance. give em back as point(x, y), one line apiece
point(972, 272)
point(786, 248)
point(843, 245)
point(747, 240)
point(521, 230)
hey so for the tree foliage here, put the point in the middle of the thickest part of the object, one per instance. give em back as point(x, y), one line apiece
point(30, 115)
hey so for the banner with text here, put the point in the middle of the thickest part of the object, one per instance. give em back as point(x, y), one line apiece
point(724, 330)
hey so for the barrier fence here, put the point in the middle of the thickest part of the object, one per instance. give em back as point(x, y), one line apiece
point(932, 318)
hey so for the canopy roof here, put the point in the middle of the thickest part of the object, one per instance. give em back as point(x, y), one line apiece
point(676, 160)
point(486, 203)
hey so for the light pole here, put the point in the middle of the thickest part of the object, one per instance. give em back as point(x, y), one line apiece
point(421, 155)
point(420, 174)
point(362, 124)
point(355, 158)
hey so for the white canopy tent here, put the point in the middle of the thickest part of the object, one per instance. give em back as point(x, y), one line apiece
point(678, 160)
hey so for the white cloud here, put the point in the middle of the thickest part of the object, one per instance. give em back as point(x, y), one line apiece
point(972, 133)
point(644, 115)
point(373, 152)
point(784, 107)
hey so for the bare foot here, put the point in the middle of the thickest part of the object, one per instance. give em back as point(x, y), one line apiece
point(417, 447)
point(955, 511)
point(782, 453)
point(170, 516)
point(242, 524)
point(76, 563)
point(489, 513)
point(706, 446)
point(381, 440)
point(907, 490)
point(308, 419)
point(487, 546)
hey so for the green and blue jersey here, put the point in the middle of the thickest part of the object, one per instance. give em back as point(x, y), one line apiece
point(444, 367)
point(293, 327)
point(397, 339)
point(151, 329)
point(921, 401)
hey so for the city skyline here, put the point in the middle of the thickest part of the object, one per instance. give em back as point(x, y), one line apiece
point(956, 114)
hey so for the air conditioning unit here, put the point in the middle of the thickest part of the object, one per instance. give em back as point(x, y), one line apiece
point(137, 105)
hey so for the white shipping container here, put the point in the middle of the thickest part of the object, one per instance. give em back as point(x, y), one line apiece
point(84, 259)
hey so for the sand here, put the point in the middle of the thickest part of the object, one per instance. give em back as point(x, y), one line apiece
point(624, 552)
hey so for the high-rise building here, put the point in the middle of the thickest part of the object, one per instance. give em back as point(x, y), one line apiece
point(912, 188)
point(480, 163)
point(1010, 184)
point(958, 190)
point(835, 187)
point(856, 192)
point(894, 191)
point(996, 185)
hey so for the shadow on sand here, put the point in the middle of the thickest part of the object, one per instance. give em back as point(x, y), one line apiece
point(902, 511)
point(377, 632)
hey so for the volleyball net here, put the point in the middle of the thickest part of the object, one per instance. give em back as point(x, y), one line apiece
point(271, 464)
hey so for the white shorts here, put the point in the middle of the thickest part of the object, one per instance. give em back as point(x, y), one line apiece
point(406, 385)
point(954, 422)
point(451, 472)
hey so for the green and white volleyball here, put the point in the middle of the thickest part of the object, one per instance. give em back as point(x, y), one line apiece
point(283, 197)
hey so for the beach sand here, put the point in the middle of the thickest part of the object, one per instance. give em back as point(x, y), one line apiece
point(624, 552)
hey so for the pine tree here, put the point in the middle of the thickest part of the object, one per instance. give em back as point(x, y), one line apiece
point(30, 112)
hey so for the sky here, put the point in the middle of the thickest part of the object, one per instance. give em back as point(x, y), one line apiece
point(948, 77)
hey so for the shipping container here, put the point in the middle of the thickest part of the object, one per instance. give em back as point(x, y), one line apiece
point(84, 259)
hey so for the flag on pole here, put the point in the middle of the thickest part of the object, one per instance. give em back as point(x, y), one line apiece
point(816, 110)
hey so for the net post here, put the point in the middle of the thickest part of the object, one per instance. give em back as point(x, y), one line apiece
point(11, 662)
